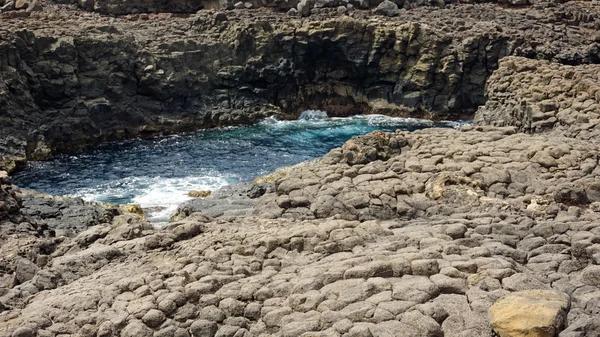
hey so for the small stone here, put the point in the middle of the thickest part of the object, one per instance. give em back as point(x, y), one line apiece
point(273, 318)
point(591, 275)
point(23, 332)
point(21, 4)
point(25, 270)
point(181, 332)
point(570, 195)
point(199, 193)
point(212, 313)
point(544, 159)
point(227, 331)
point(136, 329)
point(520, 281)
point(232, 307)
point(425, 267)
point(304, 8)
point(456, 231)
point(34, 6)
point(133, 208)
point(414, 288)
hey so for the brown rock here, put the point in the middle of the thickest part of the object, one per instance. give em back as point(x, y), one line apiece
point(530, 313)
point(199, 193)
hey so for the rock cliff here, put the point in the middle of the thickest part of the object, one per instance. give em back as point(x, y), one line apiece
point(71, 78)
point(538, 96)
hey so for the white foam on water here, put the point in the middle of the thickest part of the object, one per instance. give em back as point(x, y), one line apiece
point(158, 196)
point(313, 114)
point(167, 194)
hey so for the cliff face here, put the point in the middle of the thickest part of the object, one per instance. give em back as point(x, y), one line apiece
point(10, 203)
point(72, 78)
point(538, 96)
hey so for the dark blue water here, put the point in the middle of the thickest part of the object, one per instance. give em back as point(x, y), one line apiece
point(160, 172)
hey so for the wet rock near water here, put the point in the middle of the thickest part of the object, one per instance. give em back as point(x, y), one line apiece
point(10, 201)
point(64, 216)
point(230, 200)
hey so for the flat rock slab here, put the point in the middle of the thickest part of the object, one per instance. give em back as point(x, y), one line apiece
point(530, 313)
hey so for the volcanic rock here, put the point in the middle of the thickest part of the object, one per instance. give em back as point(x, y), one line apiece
point(387, 8)
point(142, 88)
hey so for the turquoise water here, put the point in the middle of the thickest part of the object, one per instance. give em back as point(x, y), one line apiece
point(159, 172)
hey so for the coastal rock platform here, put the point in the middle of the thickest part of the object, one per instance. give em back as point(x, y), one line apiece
point(432, 233)
point(401, 234)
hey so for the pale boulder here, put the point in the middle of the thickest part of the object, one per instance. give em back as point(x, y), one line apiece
point(530, 313)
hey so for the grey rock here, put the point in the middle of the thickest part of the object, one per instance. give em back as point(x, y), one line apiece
point(23, 332)
point(456, 231)
point(154, 318)
point(304, 8)
point(136, 329)
point(203, 328)
point(591, 275)
point(414, 288)
point(387, 8)
point(25, 270)
point(8, 6)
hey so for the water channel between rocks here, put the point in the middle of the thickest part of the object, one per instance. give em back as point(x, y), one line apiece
point(158, 173)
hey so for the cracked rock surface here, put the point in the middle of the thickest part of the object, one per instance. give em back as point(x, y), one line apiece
point(399, 234)
point(430, 233)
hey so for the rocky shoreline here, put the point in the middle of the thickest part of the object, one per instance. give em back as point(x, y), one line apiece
point(72, 78)
point(491, 229)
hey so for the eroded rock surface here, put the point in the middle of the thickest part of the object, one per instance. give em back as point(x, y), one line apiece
point(452, 222)
point(393, 234)
point(538, 96)
point(439, 172)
